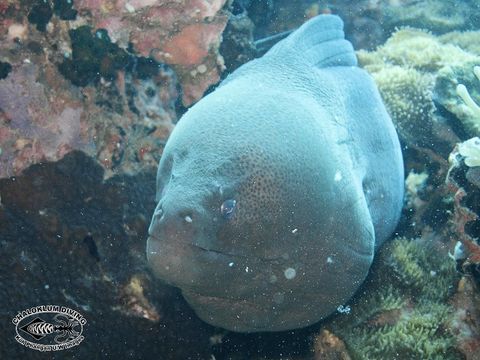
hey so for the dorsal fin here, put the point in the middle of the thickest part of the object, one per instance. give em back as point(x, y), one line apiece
point(320, 41)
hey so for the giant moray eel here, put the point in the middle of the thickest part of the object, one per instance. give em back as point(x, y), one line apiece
point(275, 190)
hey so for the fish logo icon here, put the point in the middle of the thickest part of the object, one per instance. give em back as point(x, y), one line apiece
point(38, 328)
point(49, 327)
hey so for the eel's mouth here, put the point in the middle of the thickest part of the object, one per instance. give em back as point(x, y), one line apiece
point(230, 313)
point(189, 266)
point(194, 246)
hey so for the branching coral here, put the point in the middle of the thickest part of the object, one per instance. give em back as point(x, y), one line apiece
point(470, 149)
point(472, 106)
point(421, 272)
point(416, 73)
point(419, 334)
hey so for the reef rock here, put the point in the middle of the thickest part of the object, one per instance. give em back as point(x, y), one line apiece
point(64, 87)
point(411, 70)
point(185, 34)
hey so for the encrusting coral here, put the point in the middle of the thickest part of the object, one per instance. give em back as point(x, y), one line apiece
point(417, 74)
point(408, 315)
point(436, 15)
point(408, 93)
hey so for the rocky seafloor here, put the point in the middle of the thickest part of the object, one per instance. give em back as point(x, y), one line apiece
point(89, 93)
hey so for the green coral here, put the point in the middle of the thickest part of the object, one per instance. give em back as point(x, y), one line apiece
point(409, 317)
point(416, 268)
point(419, 335)
point(439, 16)
point(414, 48)
point(458, 91)
point(407, 93)
point(411, 71)
point(467, 40)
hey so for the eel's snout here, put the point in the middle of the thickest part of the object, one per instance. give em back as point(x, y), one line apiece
point(174, 224)
point(173, 244)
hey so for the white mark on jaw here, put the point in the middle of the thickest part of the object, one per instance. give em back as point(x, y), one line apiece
point(231, 264)
point(338, 176)
point(290, 273)
point(188, 219)
point(344, 309)
point(329, 260)
point(294, 231)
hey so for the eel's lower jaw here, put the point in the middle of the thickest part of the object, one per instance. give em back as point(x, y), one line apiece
point(232, 314)
point(183, 264)
point(153, 238)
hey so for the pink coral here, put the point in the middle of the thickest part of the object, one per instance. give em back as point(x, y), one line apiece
point(35, 130)
point(182, 33)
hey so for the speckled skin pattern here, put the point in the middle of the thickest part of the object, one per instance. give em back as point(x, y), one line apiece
point(301, 141)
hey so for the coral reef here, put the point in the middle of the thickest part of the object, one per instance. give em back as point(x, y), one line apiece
point(463, 180)
point(470, 150)
point(70, 88)
point(329, 347)
point(105, 77)
point(237, 46)
point(472, 119)
point(69, 238)
point(435, 15)
point(407, 315)
point(367, 23)
point(452, 94)
point(408, 95)
point(185, 34)
point(467, 99)
point(465, 40)
point(466, 324)
point(417, 74)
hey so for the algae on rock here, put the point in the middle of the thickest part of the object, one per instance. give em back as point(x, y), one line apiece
point(405, 316)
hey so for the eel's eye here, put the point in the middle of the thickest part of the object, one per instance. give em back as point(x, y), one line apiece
point(228, 209)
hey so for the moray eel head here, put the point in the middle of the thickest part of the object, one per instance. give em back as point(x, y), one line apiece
point(274, 190)
point(241, 228)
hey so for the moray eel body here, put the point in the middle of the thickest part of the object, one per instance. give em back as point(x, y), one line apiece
point(275, 190)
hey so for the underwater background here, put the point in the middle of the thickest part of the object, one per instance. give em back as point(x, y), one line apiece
point(90, 91)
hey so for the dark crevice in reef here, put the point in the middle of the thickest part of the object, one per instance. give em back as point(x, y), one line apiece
point(40, 14)
point(5, 69)
point(93, 56)
point(64, 9)
point(68, 237)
